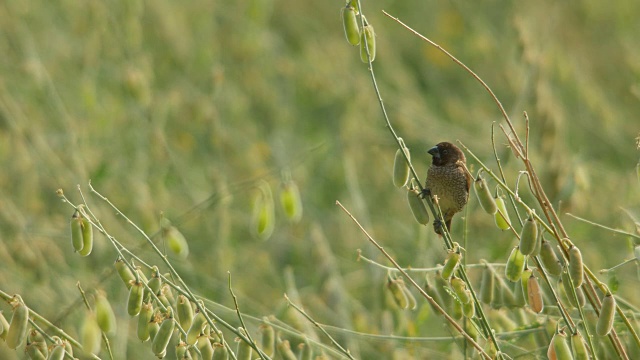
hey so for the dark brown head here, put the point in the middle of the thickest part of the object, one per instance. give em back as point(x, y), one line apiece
point(446, 153)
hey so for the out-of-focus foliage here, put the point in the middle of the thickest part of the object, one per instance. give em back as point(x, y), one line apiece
point(182, 107)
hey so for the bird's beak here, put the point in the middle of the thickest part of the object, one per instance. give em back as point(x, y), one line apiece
point(434, 152)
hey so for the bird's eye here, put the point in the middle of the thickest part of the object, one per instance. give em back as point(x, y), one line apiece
point(445, 152)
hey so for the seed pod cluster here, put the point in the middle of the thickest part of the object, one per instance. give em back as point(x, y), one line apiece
point(483, 194)
point(81, 233)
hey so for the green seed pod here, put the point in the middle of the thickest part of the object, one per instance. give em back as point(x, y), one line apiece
point(76, 231)
point(350, 23)
point(87, 238)
point(550, 259)
point(155, 283)
point(181, 351)
point(305, 352)
point(90, 334)
point(144, 320)
point(519, 300)
point(607, 314)
point(460, 289)
point(176, 242)
point(529, 236)
point(34, 351)
point(483, 194)
point(418, 209)
point(4, 326)
point(124, 272)
point(442, 288)
point(524, 281)
point(502, 216)
point(162, 338)
point(367, 40)
point(515, 265)
point(401, 168)
point(561, 346)
point(579, 347)
point(268, 339)
point(104, 314)
point(204, 346)
point(263, 216)
point(399, 296)
point(18, 327)
point(196, 328)
point(536, 249)
point(67, 346)
point(580, 301)
point(220, 352)
point(244, 349)
point(136, 294)
point(168, 294)
point(534, 295)
point(469, 309)
point(57, 352)
point(184, 312)
point(37, 341)
point(487, 287)
point(284, 349)
point(576, 269)
point(154, 327)
point(453, 259)
point(291, 202)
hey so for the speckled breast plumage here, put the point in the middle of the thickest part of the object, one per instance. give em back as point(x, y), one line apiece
point(449, 183)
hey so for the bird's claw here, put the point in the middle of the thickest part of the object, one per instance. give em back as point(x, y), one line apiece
point(425, 193)
point(437, 226)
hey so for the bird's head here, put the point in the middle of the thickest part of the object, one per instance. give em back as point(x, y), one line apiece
point(446, 153)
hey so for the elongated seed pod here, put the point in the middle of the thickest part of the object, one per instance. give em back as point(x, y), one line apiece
point(518, 293)
point(67, 346)
point(196, 328)
point(57, 352)
point(453, 259)
point(136, 294)
point(154, 327)
point(579, 300)
point(284, 349)
point(524, 280)
point(90, 334)
point(401, 168)
point(350, 24)
point(487, 286)
point(399, 296)
point(244, 349)
point(579, 347)
point(534, 295)
point(18, 326)
point(561, 346)
point(367, 41)
point(181, 351)
point(502, 216)
point(515, 265)
point(105, 316)
point(411, 300)
point(124, 272)
point(483, 194)
point(162, 338)
point(155, 283)
point(549, 259)
point(263, 215)
point(87, 238)
point(144, 319)
point(268, 339)
point(291, 201)
point(206, 349)
point(36, 340)
point(184, 312)
point(305, 351)
point(220, 352)
point(469, 309)
point(460, 289)
point(607, 314)
point(576, 269)
point(34, 351)
point(431, 291)
point(4, 326)
point(538, 246)
point(176, 242)
point(76, 231)
point(418, 209)
point(529, 235)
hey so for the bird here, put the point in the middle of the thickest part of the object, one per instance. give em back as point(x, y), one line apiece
point(449, 180)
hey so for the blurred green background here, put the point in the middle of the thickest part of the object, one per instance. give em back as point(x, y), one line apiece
point(182, 107)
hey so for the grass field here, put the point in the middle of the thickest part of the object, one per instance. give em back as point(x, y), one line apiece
point(186, 108)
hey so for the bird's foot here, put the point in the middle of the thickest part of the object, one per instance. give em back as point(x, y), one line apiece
point(425, 193)
point(438, 226)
